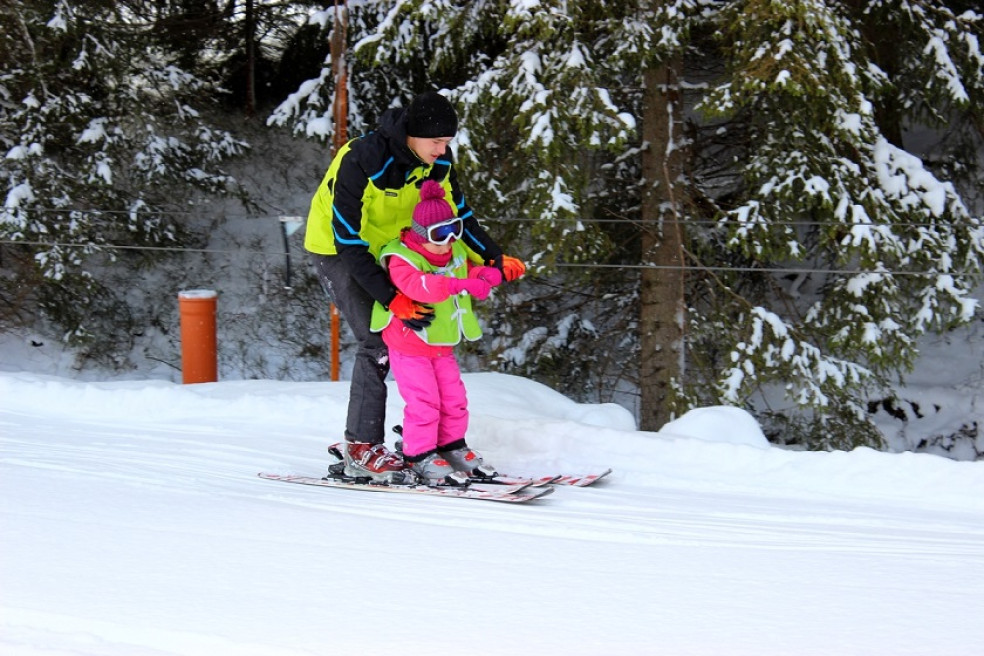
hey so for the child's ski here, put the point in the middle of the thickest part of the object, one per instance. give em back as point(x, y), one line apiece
point(559, 479)
point(582, 481)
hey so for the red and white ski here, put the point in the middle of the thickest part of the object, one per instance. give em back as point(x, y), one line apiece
point(560, 479)
point(518, 493)
point(582, 481)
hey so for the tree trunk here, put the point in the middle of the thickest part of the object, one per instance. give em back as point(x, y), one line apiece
point(661, 295)
point(249, 26)
point(339, 69)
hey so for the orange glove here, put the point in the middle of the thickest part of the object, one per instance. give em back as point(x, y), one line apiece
point(512, 269)
point(403, 307)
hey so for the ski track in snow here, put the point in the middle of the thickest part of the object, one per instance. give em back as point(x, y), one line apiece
point(185, 460)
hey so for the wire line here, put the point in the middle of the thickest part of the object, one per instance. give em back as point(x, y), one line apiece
point(565, 265)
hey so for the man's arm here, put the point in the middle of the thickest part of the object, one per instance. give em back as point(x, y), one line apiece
point(475, 236)
point(346, 222)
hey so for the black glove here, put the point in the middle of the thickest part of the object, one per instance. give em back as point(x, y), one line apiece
point(422, 321)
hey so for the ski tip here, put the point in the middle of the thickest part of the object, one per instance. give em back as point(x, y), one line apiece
point(528, 494)
point(593, 478)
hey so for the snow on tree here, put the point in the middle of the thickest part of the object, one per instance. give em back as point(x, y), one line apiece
point(815, 242)
point(892, 250)
point(98, 127)
point(310, 109)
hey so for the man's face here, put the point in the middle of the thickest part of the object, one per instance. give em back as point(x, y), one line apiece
point(428, 149)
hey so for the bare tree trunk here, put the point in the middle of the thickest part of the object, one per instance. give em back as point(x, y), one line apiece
point(662, 305)
point(339, 70)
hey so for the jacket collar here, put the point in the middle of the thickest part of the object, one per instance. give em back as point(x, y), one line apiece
point(393, 126)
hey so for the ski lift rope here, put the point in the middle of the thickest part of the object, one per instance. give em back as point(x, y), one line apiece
point(522, 219)
point(559, 265)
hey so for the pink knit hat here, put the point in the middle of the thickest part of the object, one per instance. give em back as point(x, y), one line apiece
point(433, 208)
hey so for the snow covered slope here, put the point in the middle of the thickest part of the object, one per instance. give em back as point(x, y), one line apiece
point(133, 524)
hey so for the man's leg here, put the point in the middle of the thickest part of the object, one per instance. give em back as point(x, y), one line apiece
point(367, 391)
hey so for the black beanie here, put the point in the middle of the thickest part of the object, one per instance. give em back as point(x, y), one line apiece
point(431, 115)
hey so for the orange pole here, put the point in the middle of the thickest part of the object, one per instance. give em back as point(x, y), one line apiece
point(335, 327)
point(341, 136)
point(199, 363)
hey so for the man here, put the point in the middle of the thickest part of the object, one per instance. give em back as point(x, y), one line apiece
point(365, 199)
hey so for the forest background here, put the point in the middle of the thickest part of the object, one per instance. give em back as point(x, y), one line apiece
point(751, 203)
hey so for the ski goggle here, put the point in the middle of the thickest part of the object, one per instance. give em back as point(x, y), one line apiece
point(443, 232)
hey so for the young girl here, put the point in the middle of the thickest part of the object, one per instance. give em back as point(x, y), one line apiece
point(429, 264)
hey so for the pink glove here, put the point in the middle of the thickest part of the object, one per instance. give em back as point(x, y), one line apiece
point(474, 286)
point(490, 275)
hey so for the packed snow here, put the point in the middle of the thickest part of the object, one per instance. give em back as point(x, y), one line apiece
point(134, 524)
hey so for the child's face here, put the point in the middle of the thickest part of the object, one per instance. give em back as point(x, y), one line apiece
point(437, 249)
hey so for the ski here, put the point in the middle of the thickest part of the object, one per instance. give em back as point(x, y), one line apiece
point(520, 493)
point(499, 481)
point(559, 479)
point(503, 479)
point(582, 481)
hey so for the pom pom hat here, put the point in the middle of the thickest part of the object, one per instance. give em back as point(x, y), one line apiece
point(433, 209)
point(431, 115)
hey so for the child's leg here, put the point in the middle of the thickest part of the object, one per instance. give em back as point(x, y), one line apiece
point(453, 401)
point(419, 388)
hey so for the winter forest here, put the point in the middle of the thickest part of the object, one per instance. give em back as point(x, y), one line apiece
point(758, 203)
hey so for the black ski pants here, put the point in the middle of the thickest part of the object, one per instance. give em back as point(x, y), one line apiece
point(367, 390)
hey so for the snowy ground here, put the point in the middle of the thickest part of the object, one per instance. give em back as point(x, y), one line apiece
point(133, 524)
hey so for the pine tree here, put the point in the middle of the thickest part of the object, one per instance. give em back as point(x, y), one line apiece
point(888, 249)
point(99, 126)
point(537, 127)
point(736, 144)
point(310, 109)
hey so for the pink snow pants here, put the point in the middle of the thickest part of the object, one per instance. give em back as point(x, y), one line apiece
point(436, 411)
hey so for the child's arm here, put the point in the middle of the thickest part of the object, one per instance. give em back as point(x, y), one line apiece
point(432, 288)
point(421, 287)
